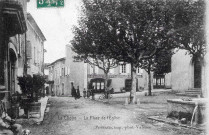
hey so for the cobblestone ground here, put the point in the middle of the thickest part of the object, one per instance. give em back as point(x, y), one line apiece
point(68, 116)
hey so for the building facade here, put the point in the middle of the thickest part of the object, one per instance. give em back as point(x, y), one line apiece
point(13, 27)
point(78, 70)
point(120, 77)
point(187, 74)
point(35, 47)
point(58, 78)
point(17, 31)
point(81, 74)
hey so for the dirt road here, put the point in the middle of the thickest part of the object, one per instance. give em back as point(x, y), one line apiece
point(68, 116)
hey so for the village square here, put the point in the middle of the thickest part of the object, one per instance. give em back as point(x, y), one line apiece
point(87, 67)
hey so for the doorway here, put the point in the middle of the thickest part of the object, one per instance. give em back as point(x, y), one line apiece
point(159, 81)
point(197, 74)
point(63, 88)
point(12, 71)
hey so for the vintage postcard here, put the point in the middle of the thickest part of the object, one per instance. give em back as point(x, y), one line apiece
point(106, 67)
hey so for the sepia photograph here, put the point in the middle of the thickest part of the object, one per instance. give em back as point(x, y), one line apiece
point(104, 67)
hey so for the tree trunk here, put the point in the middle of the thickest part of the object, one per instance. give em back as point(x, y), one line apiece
point(133, 86)
point(32, 96)
point(106, 87)
point(149, 82)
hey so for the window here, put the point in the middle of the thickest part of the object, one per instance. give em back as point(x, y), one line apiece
point(94, 85)
point(162, 81)
point(123, 68)
point(18, 37)
point(28, 49)
point(96, 69)
point(102, 85)
point(91, 69)
point(68, 70)
point(98, 85)
point(65, 70)
point(154, 81)
point(139, 71)
point(34, 54)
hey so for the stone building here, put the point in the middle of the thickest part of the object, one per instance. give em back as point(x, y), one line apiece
point(58, 78)
point(120, 77)
point(82, 74)
point(13, 29)
point(35, 47)
point(18, 31)
point(78, 70)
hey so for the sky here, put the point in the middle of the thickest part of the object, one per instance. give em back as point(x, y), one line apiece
point(56, 25)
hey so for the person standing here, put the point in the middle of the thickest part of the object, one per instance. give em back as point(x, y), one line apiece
point(88, 93)
point(78, 92)
point(84, 93)
point(73, 91)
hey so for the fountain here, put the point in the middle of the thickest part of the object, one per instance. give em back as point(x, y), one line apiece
point(189, 110)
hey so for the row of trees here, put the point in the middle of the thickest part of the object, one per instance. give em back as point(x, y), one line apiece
point(143, 33)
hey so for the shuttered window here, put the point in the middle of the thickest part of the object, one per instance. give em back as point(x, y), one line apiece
point(91, 69)
point(29, 50)
point(65, 70)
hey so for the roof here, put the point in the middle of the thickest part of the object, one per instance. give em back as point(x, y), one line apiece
point(35, 26)
point(61, 59)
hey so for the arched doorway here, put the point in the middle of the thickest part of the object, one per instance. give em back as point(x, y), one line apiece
point(12, 71)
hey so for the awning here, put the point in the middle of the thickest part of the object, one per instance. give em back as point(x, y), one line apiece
point(14, 17)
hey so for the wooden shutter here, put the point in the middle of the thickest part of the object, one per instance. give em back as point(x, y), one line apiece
point(28, 50)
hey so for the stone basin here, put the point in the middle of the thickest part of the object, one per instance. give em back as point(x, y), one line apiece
point(202, 101)
point(184, 108)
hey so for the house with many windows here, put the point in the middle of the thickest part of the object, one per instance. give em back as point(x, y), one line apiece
point(119, 77)
point(18, 30)
point(86, 76)
point(58, 78)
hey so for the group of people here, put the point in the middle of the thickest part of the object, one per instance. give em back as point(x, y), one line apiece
point(75, 92)
point(88, 93)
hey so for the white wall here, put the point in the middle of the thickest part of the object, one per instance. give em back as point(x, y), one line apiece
point(181, 71)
